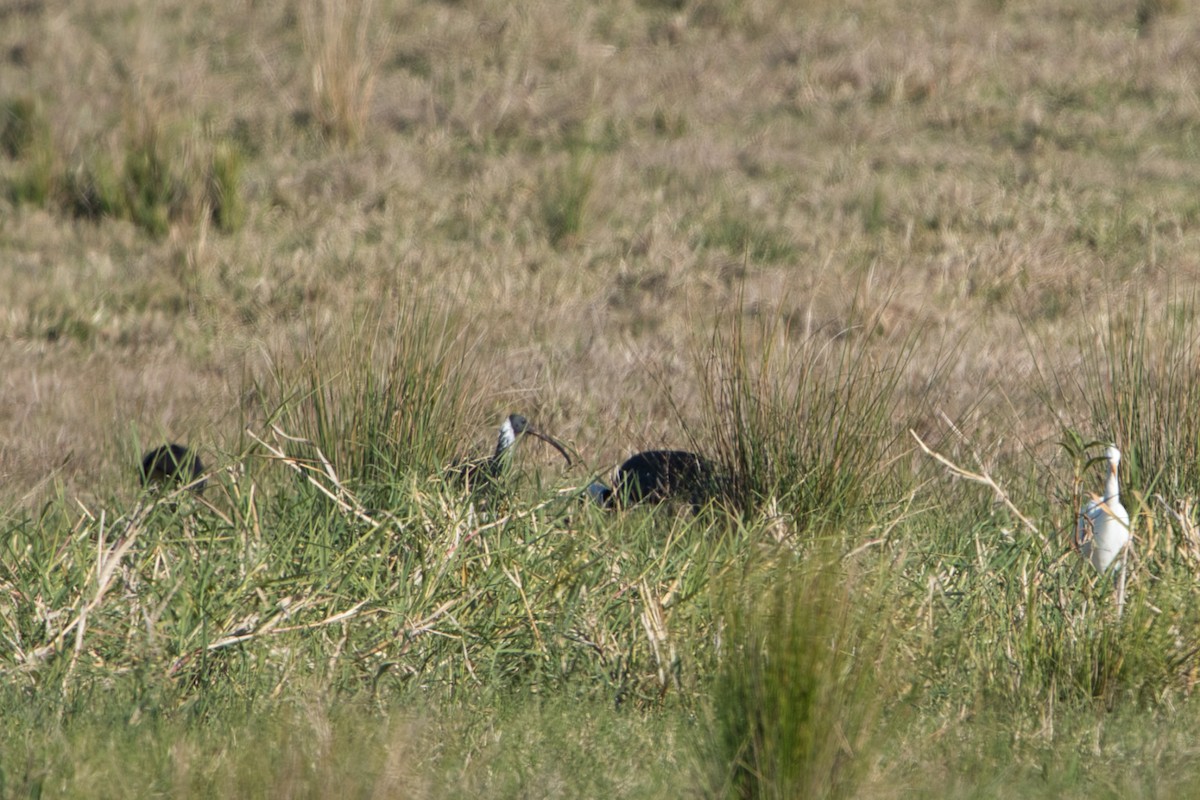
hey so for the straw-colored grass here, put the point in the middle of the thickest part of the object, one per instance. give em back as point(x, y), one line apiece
point(889, 265)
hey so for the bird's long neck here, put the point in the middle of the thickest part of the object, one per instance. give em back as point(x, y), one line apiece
point(1112, 488)
point(504, 443)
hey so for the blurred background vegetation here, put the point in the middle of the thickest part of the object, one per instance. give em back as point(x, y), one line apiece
point(331, 245)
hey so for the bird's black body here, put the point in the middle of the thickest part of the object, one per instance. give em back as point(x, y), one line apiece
point(658, 475)
point(173, 463)
point(491, 469)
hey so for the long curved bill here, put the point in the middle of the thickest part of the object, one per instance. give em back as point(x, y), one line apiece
point(550, 441)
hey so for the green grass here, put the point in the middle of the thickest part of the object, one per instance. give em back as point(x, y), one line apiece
point(794, 709)
point(22, 125)
point(330, 597)
point(565, 199)
point(316, 746)
point(804, 423)
point(224, 196)
point(332, 246)
point(156, 179)
point(742, 235)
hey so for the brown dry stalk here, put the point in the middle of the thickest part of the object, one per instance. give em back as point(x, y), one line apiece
point(340, 495)
point(107, 561)
point(655, 625)
point(269, 628)
point(982, 477)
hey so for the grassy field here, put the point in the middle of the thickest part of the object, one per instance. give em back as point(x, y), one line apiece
point(899, 268)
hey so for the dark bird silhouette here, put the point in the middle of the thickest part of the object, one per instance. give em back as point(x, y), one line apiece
point(173, 464)
point(490, 469)
point(656, 476)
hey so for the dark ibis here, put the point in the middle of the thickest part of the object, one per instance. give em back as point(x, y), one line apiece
point(492, 468)
point(173, 464)
point(656, 476)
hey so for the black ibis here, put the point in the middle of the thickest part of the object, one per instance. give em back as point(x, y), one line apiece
point(173, 464)
point(659, 475)
point(492, 468)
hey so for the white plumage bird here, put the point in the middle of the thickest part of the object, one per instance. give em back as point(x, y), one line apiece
point(1103, 530)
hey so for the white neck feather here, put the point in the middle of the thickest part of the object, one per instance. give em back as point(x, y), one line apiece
point(507, 438)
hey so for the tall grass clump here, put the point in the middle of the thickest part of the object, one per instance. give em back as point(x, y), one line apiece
point(25, 137)
point(1140, 384)
point(22, 126)
point(38, 182)
point(565, 200)
point(344, 60)
point(93, 189)
point(798, 694)
point(222, 187)
point(383, 401)
point(811, 423)
point(155, 190)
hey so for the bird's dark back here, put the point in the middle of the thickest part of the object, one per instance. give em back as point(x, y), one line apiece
point(172, 463)
point(477, 473)
point(662, 474)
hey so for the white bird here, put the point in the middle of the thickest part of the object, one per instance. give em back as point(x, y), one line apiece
point(1103, 529)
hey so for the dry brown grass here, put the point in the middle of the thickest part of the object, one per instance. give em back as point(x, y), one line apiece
point(977, 172)
point(343, 42)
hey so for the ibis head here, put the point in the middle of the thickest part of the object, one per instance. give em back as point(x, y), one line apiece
point(494, 466)
point(516, 425)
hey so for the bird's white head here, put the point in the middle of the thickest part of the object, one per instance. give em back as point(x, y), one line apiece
point(1113, 455)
